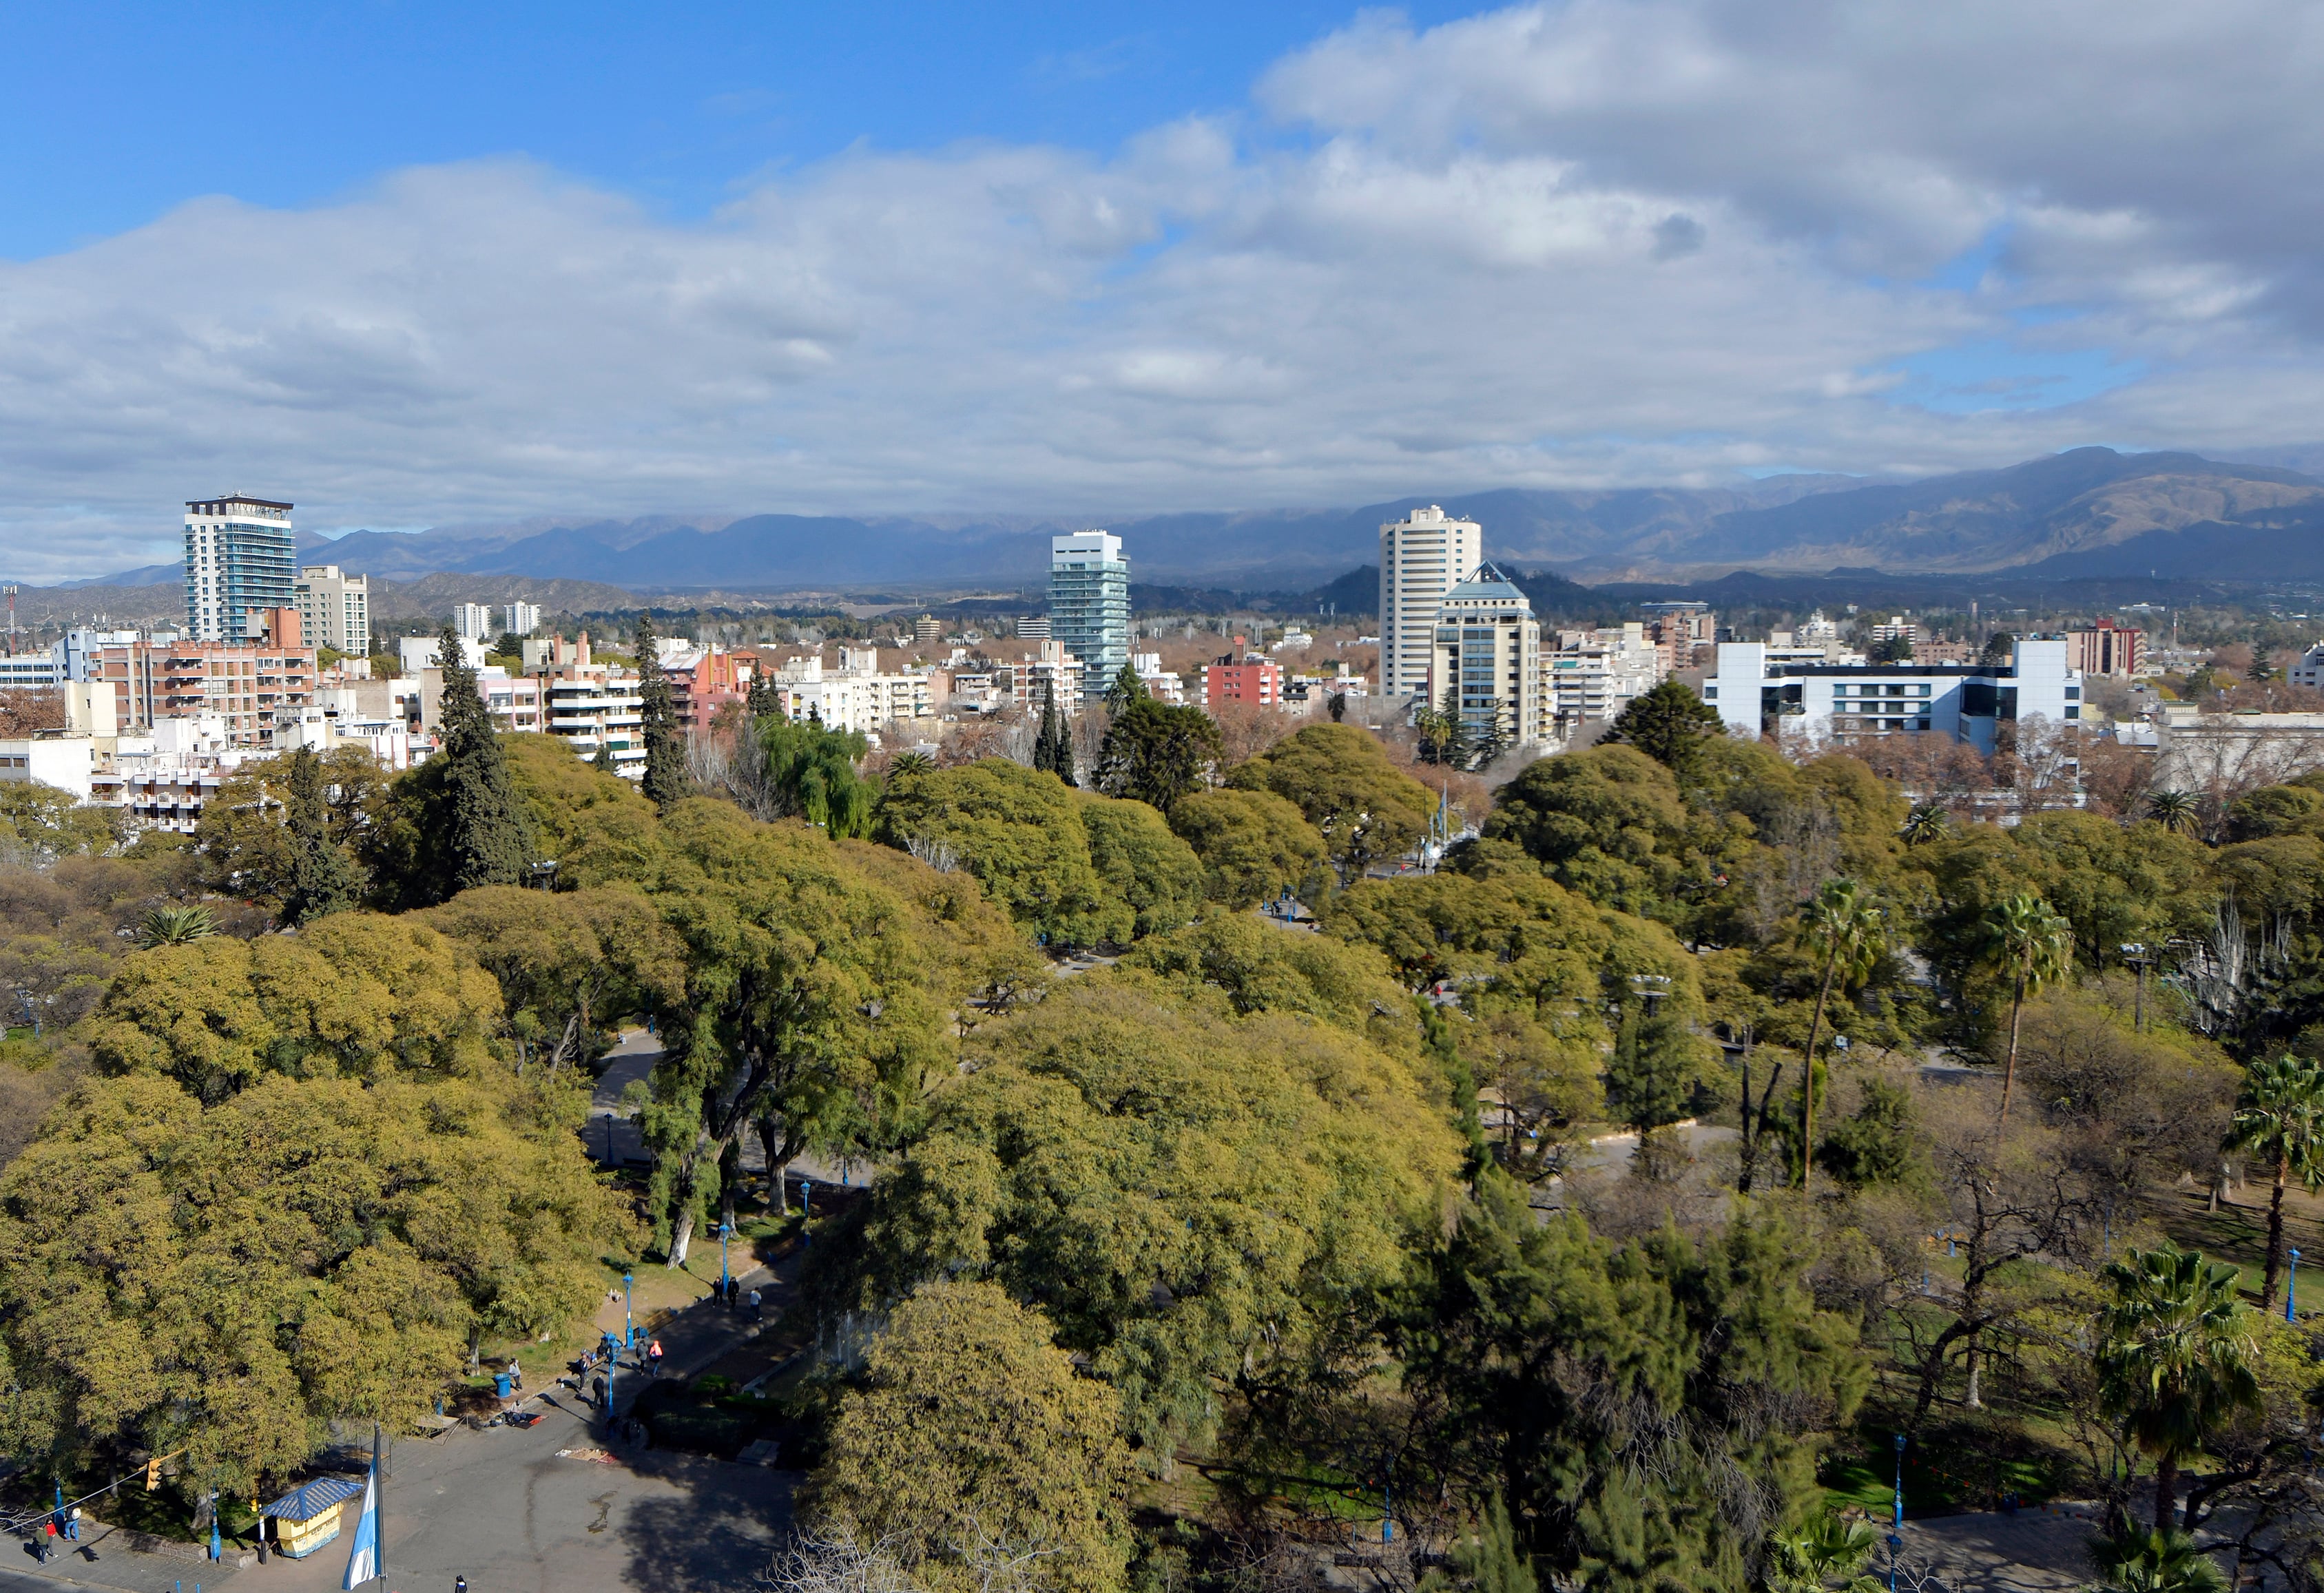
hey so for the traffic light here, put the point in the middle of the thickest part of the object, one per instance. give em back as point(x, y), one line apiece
point(152, 1474)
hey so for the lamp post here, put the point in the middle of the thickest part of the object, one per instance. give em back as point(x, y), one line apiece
point(1896, 1527)
point(2140, 959)
point(2291, 1288)
point(1654, 987)
point(725, 1283)
point(629, 1317)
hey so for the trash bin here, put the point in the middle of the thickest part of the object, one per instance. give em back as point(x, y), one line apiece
point(503, 1384)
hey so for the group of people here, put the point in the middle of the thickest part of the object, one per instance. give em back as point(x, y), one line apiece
point(728, 1291)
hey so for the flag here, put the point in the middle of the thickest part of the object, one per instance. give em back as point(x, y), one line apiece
point(362, 1560)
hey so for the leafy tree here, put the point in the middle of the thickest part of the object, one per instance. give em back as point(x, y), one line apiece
point(1019, 832)
point(1125, 689)
point(2176, 811)
point(1340, 778)
point(1544, 1078)
point(1491, 1559)
point(665, 777)
point(975, 1447)
point(43, 824)
point(1998, 649)
point(1927, 821)
point(598, 827)
point(1608, 823)
point(1443, 732)
point(811, 774)
point(1142, 862)
point(232, 1279)
point(1823, 1550)
point(1253, 844)
point(2033, 946)
point(1669, 724)
point(2280, 1118)
point(604, 762)
point(567, 963)
point(1156, 753)
point(1191, 1196)
point(2174, 1357)
point(1876, 1144)
point(1053, 747)
point(1654, 1070)
point(1642, 1441)
point(1848, 931)
point(457, 822)
point(323, 878)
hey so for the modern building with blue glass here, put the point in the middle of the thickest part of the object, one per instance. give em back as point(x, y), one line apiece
point(1089, 605)
point(240, 558)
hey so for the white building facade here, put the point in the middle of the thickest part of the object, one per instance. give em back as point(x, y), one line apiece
point(334, 609)
point(1089, 605)
point(1422, 557)
point(240, 556)
point(1756, 696)
point(1486, 652)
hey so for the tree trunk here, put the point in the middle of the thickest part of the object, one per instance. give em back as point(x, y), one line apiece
point(1976, 1371)
point(2274, 1231)
point(2166, 1491)
point(1766, 1099)
point(1750, 1151)
point(681, 1237)
point(1807, 1086)
point(2009, 1068)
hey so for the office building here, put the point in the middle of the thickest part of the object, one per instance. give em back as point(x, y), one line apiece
point(334, 607)
point(472, 622)
point(1033, 628)
point(1486, 655)
point(1968, 702)
point(1595, 674)
point(927, 630)
point(1422, 557)
point(521, 618)
point(2107, 648)
point(240, 558)
point(1089, 604)
point(29, 671)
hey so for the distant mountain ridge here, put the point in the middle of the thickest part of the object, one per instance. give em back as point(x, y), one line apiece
point(2088, 512)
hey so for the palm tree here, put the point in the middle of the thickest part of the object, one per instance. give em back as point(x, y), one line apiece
point(176, 926)
point(2033, 945)
point(904, 764)
point(1844, 926)
point(1826, 1548)
point(2174, 1357)
point(1927, 821)
point(2280, 1116)
point(2157, 1562)
point(2173, 810)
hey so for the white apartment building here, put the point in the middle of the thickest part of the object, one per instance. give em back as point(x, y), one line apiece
point(241, 557)
point(855, 696)
point(1968, 702)
point(1596, 674)
point(68, 762)
point(28, 671)
point(593, 707)
point(1164, 685)
point(1033, 675)
point(521, 618)
point(1422, 557)
point(416, 654)
point(334, 609)
point(472, 622)
point(1487, 648)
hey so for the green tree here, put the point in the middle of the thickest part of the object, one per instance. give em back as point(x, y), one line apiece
point(1142, 862)
point(1019, 832)
point(811, 774)
point(1125, 689)
point(1927, 821)
point(1608, 823)
point(1156, 753)
point(1342, 781)
point(466, 825)
point(323, 878)
point(2176, 811)
point(2032, 945)
point(1654, 1070)
point(2174, 1357)
point(1669, 724)
point(176, 926)
point(2280, 1118)
point(1490, 1557)
point(50, 824)
point(1443, 732)
point(1848, 931)
point(665, 779)
point(1822, 1551)
point(1053, 747)
point(2157, 1562)
point(1253, 844)
point(974, 1446)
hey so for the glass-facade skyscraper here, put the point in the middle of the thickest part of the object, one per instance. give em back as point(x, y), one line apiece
point(240, 558)
point(1089, 605)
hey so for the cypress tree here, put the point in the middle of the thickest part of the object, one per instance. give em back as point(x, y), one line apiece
point(1126, 689)
point(480, 830)
point(1052, 748)
point(323, 877)
point(665, 780)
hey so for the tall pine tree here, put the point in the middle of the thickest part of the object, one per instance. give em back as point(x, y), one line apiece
point(476, 827)
point(1053, 747)
point(323, 877)
point(665, 780)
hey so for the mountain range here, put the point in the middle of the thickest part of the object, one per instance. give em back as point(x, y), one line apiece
point(2087, 513)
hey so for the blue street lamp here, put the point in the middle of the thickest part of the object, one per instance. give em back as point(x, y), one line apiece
point(2291, 1289)
point(726, 1285)
point(629, 1322)
point(1897, 1529)
point(806, 1198)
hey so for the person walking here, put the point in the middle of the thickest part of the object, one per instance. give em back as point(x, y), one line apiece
point(459, 1585)
point(754, 1305)
point(516, 1376)
point(72, 1525)
point(653, 1358)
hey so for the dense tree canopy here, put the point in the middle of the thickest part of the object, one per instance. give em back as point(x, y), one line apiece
point(1253, 845)
point(1364, 807)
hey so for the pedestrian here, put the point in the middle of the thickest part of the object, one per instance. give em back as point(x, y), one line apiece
point(72, 1525)
point(48, 1541)
point(516, 1374)
point(754, 1305)
point(601, 1391)
point(459, 1585)
point(653, 1358)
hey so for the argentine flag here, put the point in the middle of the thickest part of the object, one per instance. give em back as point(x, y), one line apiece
point(363, 1560)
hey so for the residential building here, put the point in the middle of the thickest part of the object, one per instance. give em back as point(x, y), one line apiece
point(29, 671)
point(1594, 675)
point(702, 680)
point(1932, 651)
point(1033, 675)
point(472, 622)
point(519, 617)
point(164, 777)
point(1249, 679)
point(858, 695)
point(250, 688)
point(1164, 685)
point(1485, 660)
point(416, 653)
point(2105, 648)
point(1896, 628)
point(1089, 604)
point(1033, 628)
point(593, 707)
point(2199, 751)
point(334, 607)
point(2310, 671)
point(927, 630)
point(515, 702)
point(1422, 557)
point(68, 762)
point(1688, 623)
point(240, 559)
point(1968, 702)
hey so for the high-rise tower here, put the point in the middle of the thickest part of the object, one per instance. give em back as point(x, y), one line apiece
point(240, 558)
point(1089, 604)
point(1422, 557)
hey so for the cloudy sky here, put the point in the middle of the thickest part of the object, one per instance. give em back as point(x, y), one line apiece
point(410, 267)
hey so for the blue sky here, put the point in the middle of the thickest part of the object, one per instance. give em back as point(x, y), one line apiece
point(426, 264)
point(135, 108)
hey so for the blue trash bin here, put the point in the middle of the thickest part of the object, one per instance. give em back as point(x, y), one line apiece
point(503, 1384)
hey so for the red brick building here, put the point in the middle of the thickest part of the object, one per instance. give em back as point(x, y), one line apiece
point(1246, 680)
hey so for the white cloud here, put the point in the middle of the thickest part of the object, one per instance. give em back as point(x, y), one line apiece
point(1562, 244)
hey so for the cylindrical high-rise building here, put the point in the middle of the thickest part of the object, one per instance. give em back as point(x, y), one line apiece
point(1422, 557)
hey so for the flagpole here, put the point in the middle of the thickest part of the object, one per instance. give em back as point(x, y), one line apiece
point(379, 1554)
